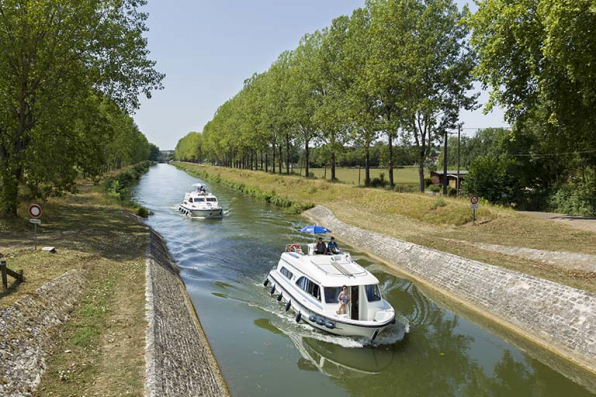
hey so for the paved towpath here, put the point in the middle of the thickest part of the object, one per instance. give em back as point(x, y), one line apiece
point(578, 222)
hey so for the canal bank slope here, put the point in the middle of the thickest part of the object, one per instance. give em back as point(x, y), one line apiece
point(179, 359)
point(557, 317)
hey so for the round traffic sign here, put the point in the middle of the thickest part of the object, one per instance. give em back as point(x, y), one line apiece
point(35, 211)
point(474, 199)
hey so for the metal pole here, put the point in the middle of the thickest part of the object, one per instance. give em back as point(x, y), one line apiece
point(35, 234)
point(458, 135)
point(445, 181)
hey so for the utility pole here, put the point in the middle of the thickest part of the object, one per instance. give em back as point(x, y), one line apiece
point(458, 135)
point(445, 180)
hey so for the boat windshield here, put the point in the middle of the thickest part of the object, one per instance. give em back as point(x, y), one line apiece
point(331, 294)
point(211, 199)
point(373, 294)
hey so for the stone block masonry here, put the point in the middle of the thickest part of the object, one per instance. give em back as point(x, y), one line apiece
point(28, 329)
point(560, 318)
point(178, 357)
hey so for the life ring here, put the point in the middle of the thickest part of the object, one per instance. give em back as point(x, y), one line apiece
point(294, 248)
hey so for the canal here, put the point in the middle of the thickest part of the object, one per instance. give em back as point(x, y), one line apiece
point(263, 352)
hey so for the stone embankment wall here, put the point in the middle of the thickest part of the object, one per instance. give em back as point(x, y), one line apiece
point(28, 328)
point(560, 318)
point(179, 359)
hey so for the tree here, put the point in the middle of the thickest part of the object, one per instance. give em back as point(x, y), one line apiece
point(433, 68)
point(538, 58)
point(153, 152)
point(57, 61)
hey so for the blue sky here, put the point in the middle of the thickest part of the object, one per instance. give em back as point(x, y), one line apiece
point(207, 48)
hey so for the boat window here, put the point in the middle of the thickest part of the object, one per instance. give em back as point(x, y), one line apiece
point(286, 273)
point(211, 199)
point(200, 199)
point(310, 287)
point(331, 294)
point(190, 200)
point(372, 293)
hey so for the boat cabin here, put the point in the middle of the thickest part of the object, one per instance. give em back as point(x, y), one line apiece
point(320, 279)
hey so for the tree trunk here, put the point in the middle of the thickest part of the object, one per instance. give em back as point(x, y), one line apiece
point(367, 164)
point(391, 161)
point(306, 156)
point(288, 154)
point(267, 160)
point(421, 171)
point(280, 148)
point(10, 190)
point(273, 162)
point(332, 141)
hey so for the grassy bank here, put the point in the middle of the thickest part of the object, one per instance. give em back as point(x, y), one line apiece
point(101, 350)
point(436, 222)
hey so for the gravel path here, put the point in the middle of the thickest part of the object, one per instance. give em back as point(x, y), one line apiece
point(577, 222)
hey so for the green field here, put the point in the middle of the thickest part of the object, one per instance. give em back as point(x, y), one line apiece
point(355, 176)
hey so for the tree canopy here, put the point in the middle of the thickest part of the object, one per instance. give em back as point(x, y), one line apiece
point(70, 75)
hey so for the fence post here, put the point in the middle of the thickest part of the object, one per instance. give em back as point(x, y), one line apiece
point(4, 278)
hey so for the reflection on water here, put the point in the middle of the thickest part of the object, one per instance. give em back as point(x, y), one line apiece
point(263, 352)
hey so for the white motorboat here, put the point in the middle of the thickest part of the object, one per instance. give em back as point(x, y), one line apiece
point(310, 284)
point(200, 203)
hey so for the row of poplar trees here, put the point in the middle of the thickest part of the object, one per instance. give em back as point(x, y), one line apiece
point(402, 70)
point(70, 76)
point(392, 70)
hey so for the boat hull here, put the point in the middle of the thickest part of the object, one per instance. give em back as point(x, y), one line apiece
point(202, 213)
point(324, 321)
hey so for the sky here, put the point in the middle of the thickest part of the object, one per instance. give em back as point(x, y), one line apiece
point(207, 48)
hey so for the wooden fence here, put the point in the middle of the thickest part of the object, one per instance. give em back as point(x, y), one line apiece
point(7, 272)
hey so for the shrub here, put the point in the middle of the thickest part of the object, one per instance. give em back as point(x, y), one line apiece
point(143, 212)
point(380, 181)
point(427, 182)
point(574, 199)
point(434, 188)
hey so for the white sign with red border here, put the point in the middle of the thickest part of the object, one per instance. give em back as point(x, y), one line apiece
point(474, 199)
point(35, 211)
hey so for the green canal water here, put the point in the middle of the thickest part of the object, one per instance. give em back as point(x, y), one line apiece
point(263, 352)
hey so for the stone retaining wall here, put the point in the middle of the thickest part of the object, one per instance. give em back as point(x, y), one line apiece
point(560, 318)
point(27, 330)
point(179, 360)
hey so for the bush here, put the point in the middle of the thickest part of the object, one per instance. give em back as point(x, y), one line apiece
point(143, 212)
point(434, 188)
point(380, 181)
point(427, 182)
point(574, 199)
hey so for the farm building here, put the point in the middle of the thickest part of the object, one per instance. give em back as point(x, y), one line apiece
point(437, 177)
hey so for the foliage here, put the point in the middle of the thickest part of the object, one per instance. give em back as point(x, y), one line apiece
point(574, 199)
point(69, 77)
point(119, 186)
point(189, 148)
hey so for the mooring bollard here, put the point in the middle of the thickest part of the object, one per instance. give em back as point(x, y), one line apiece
point(4, 275)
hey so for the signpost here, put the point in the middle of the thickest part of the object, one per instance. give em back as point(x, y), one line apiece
point(35, 212)
point(474, 207)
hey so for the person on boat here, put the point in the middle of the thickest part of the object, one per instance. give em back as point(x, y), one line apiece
point(332, 246)
point(343, 298)
point(321, 248)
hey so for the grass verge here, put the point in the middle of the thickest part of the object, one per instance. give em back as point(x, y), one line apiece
point(422, 219)
point(101, 349)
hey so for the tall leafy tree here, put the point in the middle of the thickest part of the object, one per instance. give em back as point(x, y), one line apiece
point(434, 73)
point(56, 59)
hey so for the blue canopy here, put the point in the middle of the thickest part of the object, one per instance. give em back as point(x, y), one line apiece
point(314, 229)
